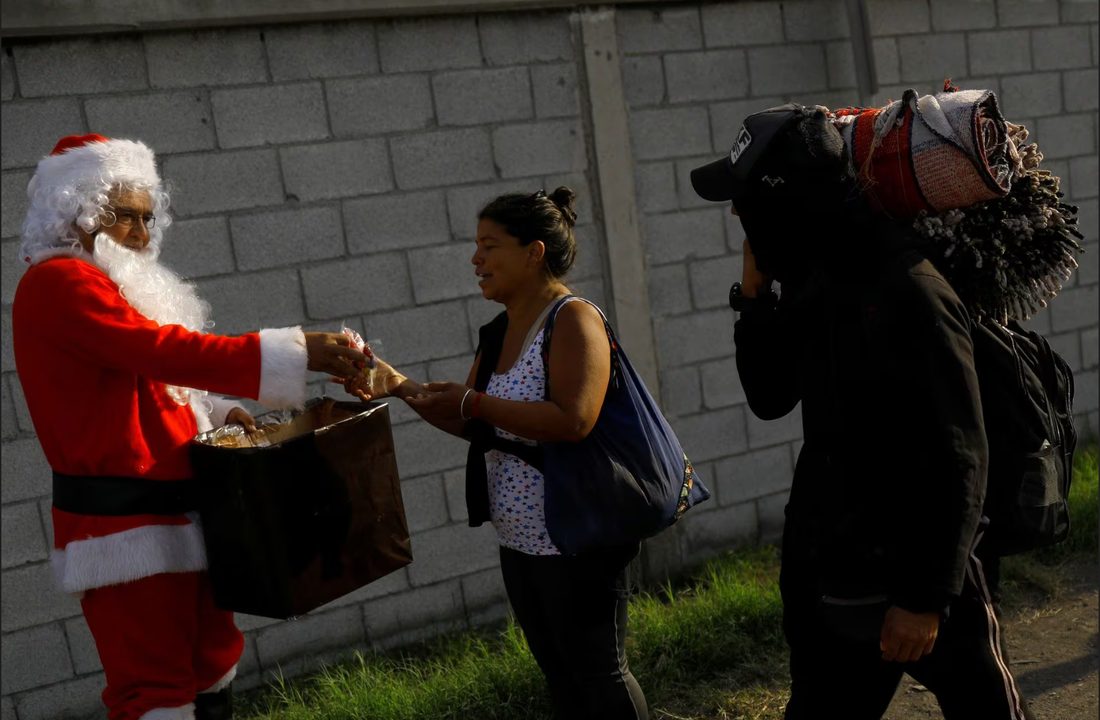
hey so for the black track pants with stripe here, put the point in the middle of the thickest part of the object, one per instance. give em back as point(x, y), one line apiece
point(967, 669)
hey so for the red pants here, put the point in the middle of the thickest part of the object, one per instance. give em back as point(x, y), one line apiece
point(161, 641)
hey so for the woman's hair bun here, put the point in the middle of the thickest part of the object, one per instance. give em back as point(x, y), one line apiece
point(563, 199)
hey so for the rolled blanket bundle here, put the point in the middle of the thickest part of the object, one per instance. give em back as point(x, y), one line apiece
point(1006, 241)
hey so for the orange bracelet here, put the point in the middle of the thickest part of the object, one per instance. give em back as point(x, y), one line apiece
point(477, 403)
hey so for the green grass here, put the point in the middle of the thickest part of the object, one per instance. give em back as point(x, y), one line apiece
point(689, 645)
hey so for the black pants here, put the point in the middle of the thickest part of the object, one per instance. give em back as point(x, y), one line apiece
point(967, 670)
point(573, 611)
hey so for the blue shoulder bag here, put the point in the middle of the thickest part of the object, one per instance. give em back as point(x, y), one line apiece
point(629, 479)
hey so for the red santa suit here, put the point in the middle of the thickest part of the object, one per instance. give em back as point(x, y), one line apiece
point(98, 378)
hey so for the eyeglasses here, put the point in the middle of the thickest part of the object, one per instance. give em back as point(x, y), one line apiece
point(127, 217)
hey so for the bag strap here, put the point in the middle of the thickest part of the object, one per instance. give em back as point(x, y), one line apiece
point(548, 331)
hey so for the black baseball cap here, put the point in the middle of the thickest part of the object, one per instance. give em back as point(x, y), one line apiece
point(781, 152)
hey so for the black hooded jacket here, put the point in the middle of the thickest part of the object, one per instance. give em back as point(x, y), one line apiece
point(876, 346)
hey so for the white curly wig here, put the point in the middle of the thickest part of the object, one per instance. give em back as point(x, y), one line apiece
point(70, 188)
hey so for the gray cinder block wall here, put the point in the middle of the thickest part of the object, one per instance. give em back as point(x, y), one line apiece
point(330, 172)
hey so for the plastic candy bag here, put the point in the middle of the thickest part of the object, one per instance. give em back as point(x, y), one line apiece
point(372, 349)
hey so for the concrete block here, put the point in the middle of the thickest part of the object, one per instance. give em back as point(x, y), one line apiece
point(771, 516)
point(10, 423)
point(898, 17)
point(248, 623)
point(442, 158)
point(14, 186)
point(390, 222)
point(167, 122)
point(555, 90)
point(336, 170)
point(13, 269)
point(1080, 11)
point(1086, 396)
point(591, 290)
point(45, 506)
point(7, 354)
point(248, 303)
point(22, 412)
point(215, 182)
point(454, 485)
point(1094, 32)
point(464, 203)
point(712, 434)
point(1060, 170)
point(321, 50)
point(643, 80)
point(737, 25)
point(720, 529)
point(360, 285)
point(205, 57)
point(1068, 345)
point(648, 30)
point(1086, 273)
point(451, 551)
point(711, 280)
point(669, 291)
point(31, 129)
point(671, 132)
point(722, 384)
point(1081, 90)
point(372, 106)
point(31, 598)
point(309, 635)
point(480, 312)
point(443, 273)
point(23, 541)
point(680, 393)
point(477, 97)
point(552, 146)
point(26, 473)
point(582, 204)
point(1090, 352)
point(841, 65)
point(1074, 308)
point(70, 700)
point(1040, 322)
point(1000, 52)
point(7, 706)
point(655, 187)
point(1033, 95)
point(950, 15)
point(419, 334)
point(287, 237)
point(1026, 13)
point(753, 475)
point(248, 665)
point(1061, 48)
point(81, 66)
point(395, 582)
point(82, 646)
point(1064, 136)
point(35, 657)
point(763, 433)
point(687, 199)
point(428, 44)
point(518, 39)
point(483, 590)
point(414, 609)
point(425, 503)
point(788, 69)
point(932, 57)
point(684, 235)
point(1083, 173)
point(422, 449)
point(691, 338)
point(198, 248)
point(7, 92)
point(456, 369)
point(726, 118)
point(270, 115)
point(710, 75)
point(808, 20)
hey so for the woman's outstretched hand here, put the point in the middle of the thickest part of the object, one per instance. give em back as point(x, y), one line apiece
point(443, 401)
point(384, 382)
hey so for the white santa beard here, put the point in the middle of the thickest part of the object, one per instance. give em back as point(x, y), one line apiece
point(154, 291)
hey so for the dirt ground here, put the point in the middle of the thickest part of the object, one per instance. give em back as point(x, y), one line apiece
point(1054, 647)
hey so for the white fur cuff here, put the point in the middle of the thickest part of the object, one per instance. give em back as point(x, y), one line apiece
point(283, 373)
point(221, 407)
point(187, 712)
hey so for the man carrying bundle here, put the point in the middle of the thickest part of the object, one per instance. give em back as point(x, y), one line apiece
point(879, 573)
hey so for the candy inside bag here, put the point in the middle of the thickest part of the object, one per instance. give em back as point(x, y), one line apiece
point(372, 349)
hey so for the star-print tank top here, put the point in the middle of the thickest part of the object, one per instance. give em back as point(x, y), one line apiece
point(516, 490)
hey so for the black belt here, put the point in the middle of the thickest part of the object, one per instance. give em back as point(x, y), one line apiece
point(117, 496)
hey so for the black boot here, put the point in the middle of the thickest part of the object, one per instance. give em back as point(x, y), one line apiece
point(215, 706)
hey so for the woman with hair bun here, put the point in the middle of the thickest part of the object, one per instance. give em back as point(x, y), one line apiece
point(572, 608)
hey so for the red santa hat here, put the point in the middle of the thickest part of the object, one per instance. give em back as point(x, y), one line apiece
point(80, 160)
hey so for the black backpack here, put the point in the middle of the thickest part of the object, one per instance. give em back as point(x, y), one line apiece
point(1027, 403)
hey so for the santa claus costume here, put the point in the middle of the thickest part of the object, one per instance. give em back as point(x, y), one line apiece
point(115, 365)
